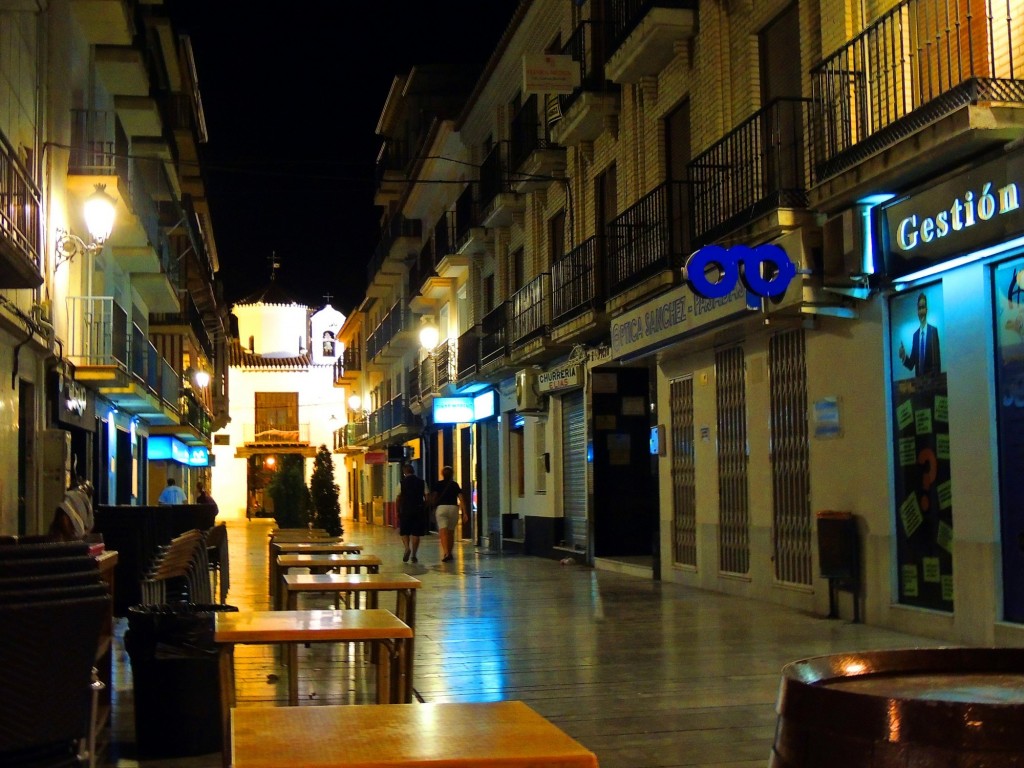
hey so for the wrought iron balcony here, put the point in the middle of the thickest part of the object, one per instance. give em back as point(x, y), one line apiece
point(759, 166)
point(396, 322)
point(918, 63)
point(583, 114)
point(530, 308)
point(577, 283)
point(534, 159)
point(399, 237)
point(189, 318)
point(494, 341)
point(272, 434)
point(494, 177)
point(649, 237)
point(393, 416)
point(97, 332)
point(20, 202)
point(658, 25)
point(469, 351)
point(348, 364)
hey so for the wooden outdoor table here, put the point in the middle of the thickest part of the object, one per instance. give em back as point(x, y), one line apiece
point(331, 546)
point(477, 735)
point(293, 628)
point(372, 584)
point(321, 563)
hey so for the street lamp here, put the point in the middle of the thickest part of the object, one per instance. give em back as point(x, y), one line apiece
point(429, 336)
point(99, 220)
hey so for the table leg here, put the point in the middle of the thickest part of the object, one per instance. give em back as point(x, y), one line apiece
point(293, 674)
point(226, 672)
point(407, 613)
point(384, 670)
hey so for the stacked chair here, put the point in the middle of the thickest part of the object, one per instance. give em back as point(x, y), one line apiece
point(180, 572)
point(53, 606)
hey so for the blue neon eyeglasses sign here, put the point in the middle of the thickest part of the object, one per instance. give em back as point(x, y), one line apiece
point(765, 270)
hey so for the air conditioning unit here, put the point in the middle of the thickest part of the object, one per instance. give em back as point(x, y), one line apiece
point(528, 396)
point(843, 268)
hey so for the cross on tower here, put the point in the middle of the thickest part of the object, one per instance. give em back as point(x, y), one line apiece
point(274, 264)
point(327, 298)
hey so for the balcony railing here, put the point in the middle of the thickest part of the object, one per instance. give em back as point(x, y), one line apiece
point(397, 320)
point(275, 434)
point(397, 227)
point(494, 179)
point(494, 341)
point(531, 310)
point(468, 361)
point(190, 317)
point(392, 415)
point(529, 134)
point(97, 331)
point(354, 433)
point(587, 46)
point(625, 15)
point(467, 216)
point(577, 281)
point(20, 202)
point(916, 64)
point(98, 145)
point(759, 166)
point(649, 237)
point(349, 361)
point(446, 357)
point(194, 414)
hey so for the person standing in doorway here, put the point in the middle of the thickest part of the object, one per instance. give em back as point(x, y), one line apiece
point(172, 494)
point(449, 500)
point(412, 512)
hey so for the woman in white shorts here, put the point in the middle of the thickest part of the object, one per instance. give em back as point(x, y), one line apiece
point(448, 498)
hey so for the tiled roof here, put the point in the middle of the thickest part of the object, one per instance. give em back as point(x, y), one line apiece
point(243, 358)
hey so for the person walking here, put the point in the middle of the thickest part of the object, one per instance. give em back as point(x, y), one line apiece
point(448, 500)
point(172, 494)
point(412, 512)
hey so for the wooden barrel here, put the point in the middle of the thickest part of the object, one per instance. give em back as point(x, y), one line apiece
point(947, 707)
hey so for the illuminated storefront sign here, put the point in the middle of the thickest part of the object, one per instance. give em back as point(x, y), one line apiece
point(670, 317)
point(766, 270)
point(463, 410)
point(975, 209)
point(163, 448)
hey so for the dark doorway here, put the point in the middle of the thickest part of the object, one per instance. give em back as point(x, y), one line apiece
point(625, 487)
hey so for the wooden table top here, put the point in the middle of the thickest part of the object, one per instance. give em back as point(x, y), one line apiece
point(487, 734)
point(299, 560)
point(308, 626)
point(317, 547)
point(339, 582)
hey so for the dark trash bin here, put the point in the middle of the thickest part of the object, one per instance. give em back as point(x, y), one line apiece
point(175, 679)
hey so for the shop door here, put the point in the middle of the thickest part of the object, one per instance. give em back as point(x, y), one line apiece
point(491, 474)
point(574, 471)
point(125, 478)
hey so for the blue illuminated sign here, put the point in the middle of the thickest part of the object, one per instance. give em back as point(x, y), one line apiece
point(462, 410)
point(164, 448)
point(766, 270)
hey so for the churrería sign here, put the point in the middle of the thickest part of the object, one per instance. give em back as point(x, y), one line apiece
point(566, 376)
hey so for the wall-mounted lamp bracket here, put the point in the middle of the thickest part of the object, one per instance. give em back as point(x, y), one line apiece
point(69, 245)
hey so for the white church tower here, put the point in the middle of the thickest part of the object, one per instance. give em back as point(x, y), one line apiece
point(283, 398)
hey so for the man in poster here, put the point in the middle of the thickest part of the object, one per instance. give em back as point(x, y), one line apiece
point(924, 358)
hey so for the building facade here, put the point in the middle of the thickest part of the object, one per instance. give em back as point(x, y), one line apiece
point(282, 359)
point(111, 339)
point(744, 281)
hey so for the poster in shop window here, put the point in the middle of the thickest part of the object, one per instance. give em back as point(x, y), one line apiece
point(923, 490)
point(1008, 289)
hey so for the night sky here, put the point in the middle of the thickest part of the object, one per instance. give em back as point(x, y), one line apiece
point(291, 103)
